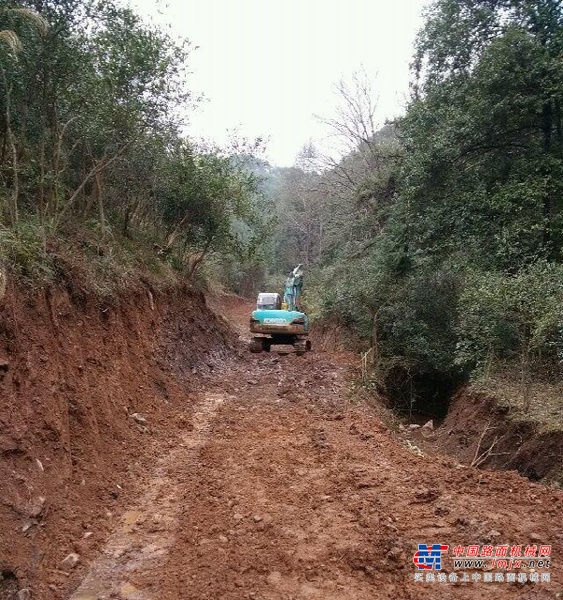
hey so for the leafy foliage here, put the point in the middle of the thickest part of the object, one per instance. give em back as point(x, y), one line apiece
point(443, 233)
point(512, 316)
point(92, 105)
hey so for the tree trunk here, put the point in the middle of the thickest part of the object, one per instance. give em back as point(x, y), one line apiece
point(375, 338)
point(13, 203)
point(175, 233)
point(198, 260)
point(525, 376)
point(41, 195)
point(101, 214)
point(15, 181)
point(126, 221)
point(558, 124)
point(549, 200)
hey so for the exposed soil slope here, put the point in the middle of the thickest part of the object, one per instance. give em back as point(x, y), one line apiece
point(77, 378)
point(478, 430)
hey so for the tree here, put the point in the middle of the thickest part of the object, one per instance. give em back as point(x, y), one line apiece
point(443, 228)
point(354, 130)
point(14, 17)
point(516, 316)
point(479, 137)
point(90, 137)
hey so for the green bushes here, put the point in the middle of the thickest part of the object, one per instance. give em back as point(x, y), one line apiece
point(512, 317)
point(22, 248)
point(92, 104)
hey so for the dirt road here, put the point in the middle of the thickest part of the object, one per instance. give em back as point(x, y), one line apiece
point(282, 488)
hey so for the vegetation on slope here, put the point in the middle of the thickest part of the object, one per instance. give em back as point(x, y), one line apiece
point(439, 239)
point(92, 105)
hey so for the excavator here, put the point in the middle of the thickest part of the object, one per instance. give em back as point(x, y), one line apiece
point(281, 321)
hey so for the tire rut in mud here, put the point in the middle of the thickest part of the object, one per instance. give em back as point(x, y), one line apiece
point(148, 530)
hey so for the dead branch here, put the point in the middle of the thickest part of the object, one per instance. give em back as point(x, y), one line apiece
point(98, 167)
point(480, 442)
point(488, 453)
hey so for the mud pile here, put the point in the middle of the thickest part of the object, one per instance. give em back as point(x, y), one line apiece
point(479, 431)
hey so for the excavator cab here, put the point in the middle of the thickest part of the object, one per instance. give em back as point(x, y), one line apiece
point(268, 301)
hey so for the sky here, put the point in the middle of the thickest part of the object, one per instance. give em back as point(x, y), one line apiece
point(268, 68)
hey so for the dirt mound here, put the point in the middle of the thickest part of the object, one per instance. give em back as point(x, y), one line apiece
point(478, 430)
point(86, 386)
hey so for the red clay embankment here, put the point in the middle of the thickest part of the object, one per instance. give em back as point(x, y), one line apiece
point(85, 386)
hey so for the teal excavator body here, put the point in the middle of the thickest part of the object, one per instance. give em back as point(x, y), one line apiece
point(281, 322)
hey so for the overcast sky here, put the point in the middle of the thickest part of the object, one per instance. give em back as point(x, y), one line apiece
point(267, 67)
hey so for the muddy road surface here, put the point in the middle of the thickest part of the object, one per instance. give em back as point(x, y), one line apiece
point(282, 487)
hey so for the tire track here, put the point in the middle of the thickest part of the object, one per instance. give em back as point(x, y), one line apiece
point(148, 530)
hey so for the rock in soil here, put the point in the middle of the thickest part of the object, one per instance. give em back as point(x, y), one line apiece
point(70, 561)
